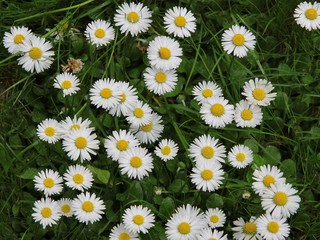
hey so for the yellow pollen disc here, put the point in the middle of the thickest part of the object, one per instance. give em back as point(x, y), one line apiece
point(49, 131)
point(18, 38)
point(273, 227)
point(311, 13)
point(48, 182)
point(180, 21)
point(161, 77)
point(246, 115)
point(164, 53)
point(66, 84)
point(240, 157)
point(65, 208)
point(46, 212)
point(212, 239)
point(133, 17)
point(207, 174)
point(75, 126)
point(280, 198)
point(106, 93)
point(35, 53)
point(238, 39)
point(138, 219)
point(147, 127)
point(138, 112)
point(81, 142)
point(124, 236)
point(207, 152)
point(249, 228)
point(207, 92)
point(166, 150)
point(136, 162)
point(87, 206)
point(214, 219)
point(258, 94)
point(268, 180)
point(122, 145)
point(123, 97)
point(184, 228)
point(100, 33)
point(217, 109)
point(78, 178)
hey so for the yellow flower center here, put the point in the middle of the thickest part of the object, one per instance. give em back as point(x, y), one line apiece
point(87, 206)
point(207, 92)
point(238, 39)
point(138, 219)
point(184, 228)
point(166, 150)
point(214, 219)
point(136, 162)
point(46, 212)
point(273, 227)
point(207, 152)
point(240, 157)
point(100, 33)
point(217, 109)
point(124, 236)
point(311, 13)
point(180, 21)
point(122, 145)
point(268, 180)
point(212, 239)
point(49, 131)
point(164, 53)
point(78, 178)
point(147, 127)
point(249, 228)
point(123, 97)
point(161, 77)
point(81, 142)
point(259, 94)
point(106, 93)
point(48, 182)
point(65, 208)
point(66, 84)
point(138, 112)
point(18, 38)
point(75, 126)
point(207, 174)
point(133, 17)
point(246, 114)
point(280, 198)
point(35, 53)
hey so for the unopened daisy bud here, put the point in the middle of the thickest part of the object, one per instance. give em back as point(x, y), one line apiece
point(246, 195)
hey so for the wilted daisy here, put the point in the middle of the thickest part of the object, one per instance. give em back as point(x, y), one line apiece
point(49, 130)
point(208, 234)
point(104, 93)
point(164, 53)
point(180, 22)
point(88, 208)
point(80, 143)
point(119, 142)
point(78, 177)
point(65, 205)
point(247, 114)
point(99, 32)
point(46, 211)
point(307, 15)
point(69, 124)
point(166, 150)
point(37, 55)
point(217, 112)
point(49, 182)
point(206, 148)
point(280, 200)
point(13, 40)
point(74, 65)
point(138, 219)
point(133, 18)
point(185, 223)
point(160, 81)
point(258, 91)
point(206, 90)
point(67, 82)
point(240, 156)
point(264, 177)
point(273, 228)
point(119, 232)
point(215, 217)
point(245, 230)
point(140, 114)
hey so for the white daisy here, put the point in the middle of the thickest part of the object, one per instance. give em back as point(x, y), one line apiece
point(65, 205)
point(140, 114)
point(208, 234)
point(238, 40)
point(136, 162)
point(217, 112)
point(69, 124)
point(13, 40)
point(160, 81)
point(166, 150)
point(272, 228)
point(46, 211)
point(138, 219)
point(245, 230)
point(119, 232)
point(215, 217)
point(280, 200)
point(119, 142)
point(164, 53)
point(88, 208)
point(37, 55)
point(307, 15)
point(133, 18)
point(264, 177)
point(78, 177)
point(99, 33)
point(240, 156)
point(206, 148)
point(49, 182)
point(185, 223)
point(204, 91)
point(258, 91)
point(247, 114)
point(80, 143)
point(67, 82)
point(49, 130)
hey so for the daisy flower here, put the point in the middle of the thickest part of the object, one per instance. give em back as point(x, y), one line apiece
point(136, 162)
point(204, 91)
point(258, 92)
point(13, 40)
point(264, 177)
point(166, 150)
point(67, 125)
point(215, 217)
point(133, 18)
point(46, 211)
point(159, 81)
point(140, 114)
point(273, 228)
point(208, 234)
point(238, 40)
point(240, 156)
point(119, 142)
point(80, 143)
point(65, 205)
point(307, 15)
point(67, 82)
point(49, 130)
point(88, 208)
point(74, 65)
point(164, 53)
point(247, 114)
point(186, 223)
point(206, 148)
point(49, 182)
point(37, 55)
point(138, 219)
point(99, 33)
point(281, 200)
point(78, 177)
point(119, 232)
point(217, 112)
point(245, 230)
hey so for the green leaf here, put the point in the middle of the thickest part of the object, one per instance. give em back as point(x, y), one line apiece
point(30, 173)
point(272, 155)
point(252, 144)
point(101, 174)
point(179, 186)
point(258, 160)
point(288, 167)
point(135, 191)
point(167, 207)
point(215, 200)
